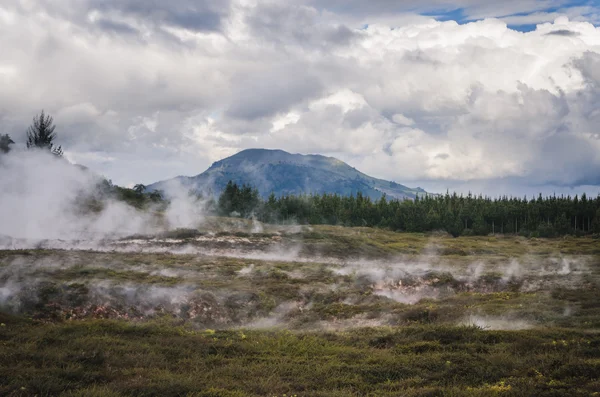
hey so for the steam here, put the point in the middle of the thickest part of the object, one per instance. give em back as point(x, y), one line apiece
point(83, 284)
point(505, 323)
point(246, 270)
point(411, 280)
point(45, 197)
point(184, 210)
point(276, 319)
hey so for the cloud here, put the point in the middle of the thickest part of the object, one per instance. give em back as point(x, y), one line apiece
point(271, 90)
point(474, 9)
point(142, 91)
point(563, 32)
point(515, 12)
point(580, 13)
point(195, 15)
point(402, 120)
point(277, 22)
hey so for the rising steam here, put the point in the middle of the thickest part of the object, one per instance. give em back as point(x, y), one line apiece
point(43, 197)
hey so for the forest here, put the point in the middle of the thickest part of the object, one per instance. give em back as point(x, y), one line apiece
point(458, 215)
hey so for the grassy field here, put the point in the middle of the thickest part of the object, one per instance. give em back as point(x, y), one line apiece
point(112, 358)
point(235, 310)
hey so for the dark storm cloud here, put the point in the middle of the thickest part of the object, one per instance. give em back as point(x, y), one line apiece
point(284, 24)
point(563, 32)
point(195, 15)
point(116, 27)
point(188, 14)
point(372, 7)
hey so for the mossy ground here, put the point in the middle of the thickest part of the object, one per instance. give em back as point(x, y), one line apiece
point(114, 358)
point(330, 318)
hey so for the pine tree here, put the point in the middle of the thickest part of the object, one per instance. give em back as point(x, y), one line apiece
point(41, 134)
point(5, 143)
point(139, 188)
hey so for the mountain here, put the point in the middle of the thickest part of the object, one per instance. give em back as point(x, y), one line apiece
point(284, 173)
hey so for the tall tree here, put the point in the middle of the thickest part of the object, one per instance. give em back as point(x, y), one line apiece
point(41, 134)
point(139, 188)
point(5, 143)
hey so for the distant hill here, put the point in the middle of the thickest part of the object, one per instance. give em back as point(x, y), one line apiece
point(284, 173)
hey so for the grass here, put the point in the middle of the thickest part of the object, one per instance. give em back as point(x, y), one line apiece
point(105, 357)
point(82, 272)
point(340, 241)
point(84, 323)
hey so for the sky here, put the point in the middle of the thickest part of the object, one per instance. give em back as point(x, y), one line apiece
point(467, 95)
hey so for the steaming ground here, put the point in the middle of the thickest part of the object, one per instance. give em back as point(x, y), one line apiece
point(225, 274)
point(208, 312)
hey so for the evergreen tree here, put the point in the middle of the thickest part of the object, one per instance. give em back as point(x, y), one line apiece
point(433, 220)
point(41, 134)
point(227, 199)
point(5, 143)
point(596, 222)
point(562, 224)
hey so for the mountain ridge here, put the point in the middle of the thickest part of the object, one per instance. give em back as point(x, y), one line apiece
point(283, 173)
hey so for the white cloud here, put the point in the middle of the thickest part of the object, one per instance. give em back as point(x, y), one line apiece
point(401, 119)
point(142, 94)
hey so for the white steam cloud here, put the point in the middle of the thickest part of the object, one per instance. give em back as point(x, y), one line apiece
point(45, 197)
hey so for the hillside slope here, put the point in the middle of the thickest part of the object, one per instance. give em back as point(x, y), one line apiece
point(284, 173)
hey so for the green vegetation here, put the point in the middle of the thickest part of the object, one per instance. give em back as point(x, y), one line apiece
point(116, 358)
point(379, 314)
point(457, 215)
point(242, 200)
point(41, 135)
point(95, 200)
point(400, 279)
point(135, 197)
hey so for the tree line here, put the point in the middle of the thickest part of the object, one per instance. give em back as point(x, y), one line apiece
point(456, 214)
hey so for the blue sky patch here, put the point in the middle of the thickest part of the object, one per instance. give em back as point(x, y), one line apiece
point(461, 15)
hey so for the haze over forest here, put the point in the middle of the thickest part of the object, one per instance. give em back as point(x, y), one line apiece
point(460, 96)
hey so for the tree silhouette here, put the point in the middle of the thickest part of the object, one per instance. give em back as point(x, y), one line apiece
point(41, 134)
point(139, 188)
point(5, 143)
